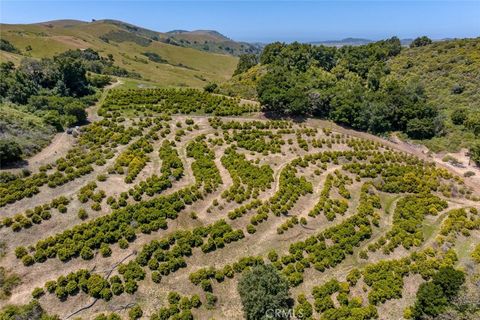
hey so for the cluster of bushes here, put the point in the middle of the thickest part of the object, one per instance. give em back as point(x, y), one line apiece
point(94, 147)
point(10, 151)
point(290, 189)
point(327, 205)
point(32, 310)
point(408, 216)
point(216, 123)
point(174, 101)
point(242, 210)
point(9, 280)
point(398, 175)
point(290, 223)
point(5, 45)
point(179, 307)
point(95, 285)
point(135, 158)
point(35, 215)
point(204, 169)
point(347, 308)
point(203, 277)
point(248, 179)
point(87, 193)
point(171, 170)
point(385, 278)
point(262, 141)
point(123, 224)
point(93, 62)
point(344, 237)
point(167, 255)
point(459, 221)
point(476, 254)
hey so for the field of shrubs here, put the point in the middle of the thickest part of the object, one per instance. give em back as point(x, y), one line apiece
point(166, 206)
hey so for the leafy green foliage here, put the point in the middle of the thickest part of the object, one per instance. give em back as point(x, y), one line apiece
point(173, 101)
point(248, 179)
point(9, 151)
point(245, 62)
point(475, 153)
point(420, 42)
point(8, 281)
point(349, 86)
point(262, 290)
point(434, 296)
point(152, 56)
point(30, 311)
point(445, 70)
point(5, 45)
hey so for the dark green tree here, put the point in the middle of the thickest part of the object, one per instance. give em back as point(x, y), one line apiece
point(421, 42)
point(475, 153)
point(430, 301)
point(245, 62)
point(10, 151)
point(264, 293)
point(450, 280)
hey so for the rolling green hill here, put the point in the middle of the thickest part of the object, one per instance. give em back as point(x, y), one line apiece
point(212, 41)
point(131, 47)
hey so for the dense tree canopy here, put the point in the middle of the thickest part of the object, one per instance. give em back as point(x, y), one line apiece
point(245, 62)
point(264, 293)
point(9, 151)
point(349, 85)
point(434, 296)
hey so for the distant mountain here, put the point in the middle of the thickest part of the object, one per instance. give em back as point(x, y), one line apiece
point(212, 41)
point(353, 42)
point(343, 42)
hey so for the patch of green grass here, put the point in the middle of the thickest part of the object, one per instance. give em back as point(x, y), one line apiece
point(187, 67)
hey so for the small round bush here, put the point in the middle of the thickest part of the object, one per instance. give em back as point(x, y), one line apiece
point(82, 214)
point(62, 208)
point(37, 293)
point(135, 312)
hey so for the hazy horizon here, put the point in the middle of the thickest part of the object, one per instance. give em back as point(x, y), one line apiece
point(267, 21)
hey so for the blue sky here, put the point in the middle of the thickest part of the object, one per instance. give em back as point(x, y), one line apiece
point(268, 21)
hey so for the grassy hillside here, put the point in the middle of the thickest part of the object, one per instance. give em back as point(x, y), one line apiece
point(212, 41)
point(28, 130)
point(449, 73)
point(244, 84)
point(178, 66)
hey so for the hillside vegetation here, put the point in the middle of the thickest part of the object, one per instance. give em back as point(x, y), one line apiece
point(449, 73)
point(131, 47)
point(30, 131)
point(430, 91)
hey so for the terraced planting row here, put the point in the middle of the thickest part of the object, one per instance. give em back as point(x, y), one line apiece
point(166, 215)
